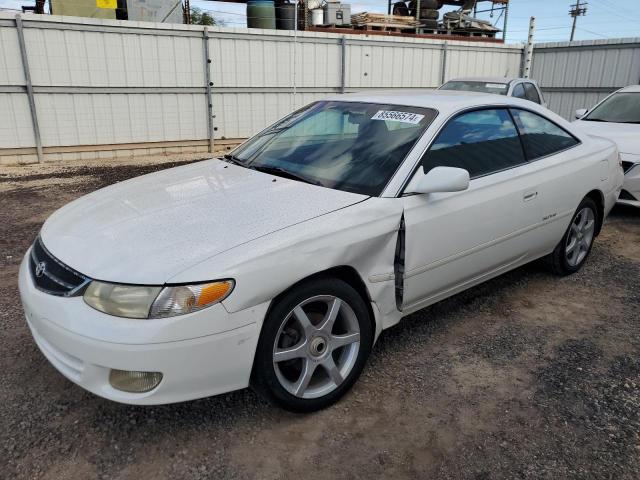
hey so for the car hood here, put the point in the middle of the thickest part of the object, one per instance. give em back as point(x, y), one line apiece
point(625, 135)
point(148, 229)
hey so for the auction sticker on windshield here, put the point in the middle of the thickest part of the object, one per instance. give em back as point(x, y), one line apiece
point(404, 117)
point(501, 86)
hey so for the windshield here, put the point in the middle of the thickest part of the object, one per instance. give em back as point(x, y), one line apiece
point(621, 107)
point(483, 87)
point(350, 146)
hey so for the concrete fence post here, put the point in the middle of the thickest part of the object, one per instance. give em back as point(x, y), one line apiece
point(209, 84)
point(343, 64)
point(29, 86)
point(443, 66)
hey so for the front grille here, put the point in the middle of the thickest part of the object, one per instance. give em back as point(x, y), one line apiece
point(626, 166)
point(624, 195)
point(51, 275)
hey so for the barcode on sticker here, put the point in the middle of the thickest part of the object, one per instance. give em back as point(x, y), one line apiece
point(404, 117)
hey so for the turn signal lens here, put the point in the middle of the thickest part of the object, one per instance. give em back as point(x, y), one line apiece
point(134, 382)
point(182, 299)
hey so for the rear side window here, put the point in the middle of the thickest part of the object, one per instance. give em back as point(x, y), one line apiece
point(481, 142)
point(532, 92)
point(518, 91)
point(540, 136)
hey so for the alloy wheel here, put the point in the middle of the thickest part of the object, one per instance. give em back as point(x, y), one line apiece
point(316, 346)
point(580, 236)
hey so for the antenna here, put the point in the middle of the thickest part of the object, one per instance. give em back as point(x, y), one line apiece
point(577, 9)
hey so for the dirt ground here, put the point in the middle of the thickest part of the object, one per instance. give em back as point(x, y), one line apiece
point(526, 376)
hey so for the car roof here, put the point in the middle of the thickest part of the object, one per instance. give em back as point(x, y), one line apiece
point(631, 88)
point(505, 80)
point(445, 101)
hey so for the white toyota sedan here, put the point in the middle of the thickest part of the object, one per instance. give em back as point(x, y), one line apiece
point(278, 266)
point(617, 118)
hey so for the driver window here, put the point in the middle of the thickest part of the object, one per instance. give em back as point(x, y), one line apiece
point(481, 142)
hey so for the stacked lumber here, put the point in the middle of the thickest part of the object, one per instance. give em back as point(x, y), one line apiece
point(379, 20)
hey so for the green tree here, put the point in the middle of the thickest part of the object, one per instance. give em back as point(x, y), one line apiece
point(204, 17)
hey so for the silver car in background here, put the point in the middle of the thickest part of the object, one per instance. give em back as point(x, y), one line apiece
point(524, 88)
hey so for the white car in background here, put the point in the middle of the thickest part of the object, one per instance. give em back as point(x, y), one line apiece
point(280, 265)
point(617, 118)
point(524, 88)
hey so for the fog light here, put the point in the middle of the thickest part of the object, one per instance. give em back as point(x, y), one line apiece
point(134, 382)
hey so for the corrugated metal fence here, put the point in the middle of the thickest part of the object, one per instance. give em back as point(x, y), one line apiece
point(580, 74)
point(103, 88)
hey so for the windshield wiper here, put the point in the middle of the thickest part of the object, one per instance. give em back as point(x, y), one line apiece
point(595, 120)
point(281, 172)
point(233, 159)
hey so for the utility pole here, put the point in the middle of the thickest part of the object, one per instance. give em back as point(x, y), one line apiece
point(577, 10)
point(187, 13)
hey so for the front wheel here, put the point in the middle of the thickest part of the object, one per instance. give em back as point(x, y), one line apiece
point(313, 346)
point(573, 250)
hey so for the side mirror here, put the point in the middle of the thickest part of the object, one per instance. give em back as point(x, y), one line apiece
point(581, 112)
point(439, 179)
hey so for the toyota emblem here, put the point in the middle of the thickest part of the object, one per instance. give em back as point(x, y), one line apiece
point(40, 268)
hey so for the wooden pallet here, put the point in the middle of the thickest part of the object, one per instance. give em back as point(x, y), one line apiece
point(383, 27)
point(381, 22)
point(334, 25)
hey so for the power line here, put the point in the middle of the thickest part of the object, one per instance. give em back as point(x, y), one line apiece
point(615, 11)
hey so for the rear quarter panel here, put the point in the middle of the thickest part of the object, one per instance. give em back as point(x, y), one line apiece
point(566, 178)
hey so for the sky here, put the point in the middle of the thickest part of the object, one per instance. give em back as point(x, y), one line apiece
point(604, 18)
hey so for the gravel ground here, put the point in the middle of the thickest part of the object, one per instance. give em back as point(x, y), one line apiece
point(526, 376)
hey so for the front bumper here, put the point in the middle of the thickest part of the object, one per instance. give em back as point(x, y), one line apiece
point(80, 343)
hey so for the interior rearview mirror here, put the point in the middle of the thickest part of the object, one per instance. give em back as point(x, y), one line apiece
point(581, 112)
point(439, 179)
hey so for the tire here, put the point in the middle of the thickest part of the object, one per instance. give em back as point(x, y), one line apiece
point(580, 234)
point(295, 355)
point(400, 8)
point(428, 14)
point(429, 24)
point(424, 5)
point(429, 4)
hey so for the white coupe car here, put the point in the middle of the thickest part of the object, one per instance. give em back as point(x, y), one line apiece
point(279, 266)
point(617, 118)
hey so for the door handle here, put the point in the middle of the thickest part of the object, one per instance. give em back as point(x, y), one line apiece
point(529, 196)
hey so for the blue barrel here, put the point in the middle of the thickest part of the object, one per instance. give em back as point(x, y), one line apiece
point(261, 14)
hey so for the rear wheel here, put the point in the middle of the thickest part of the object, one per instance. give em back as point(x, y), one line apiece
point(313, 346)
point(573, 250)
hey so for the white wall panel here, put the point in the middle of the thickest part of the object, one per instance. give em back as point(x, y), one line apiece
point(96, 119)
point(89, 58)
point(15, 121)
point(475, 62)
point(11, 72)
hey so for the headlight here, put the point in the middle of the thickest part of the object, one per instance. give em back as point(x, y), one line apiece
point(133, 301)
